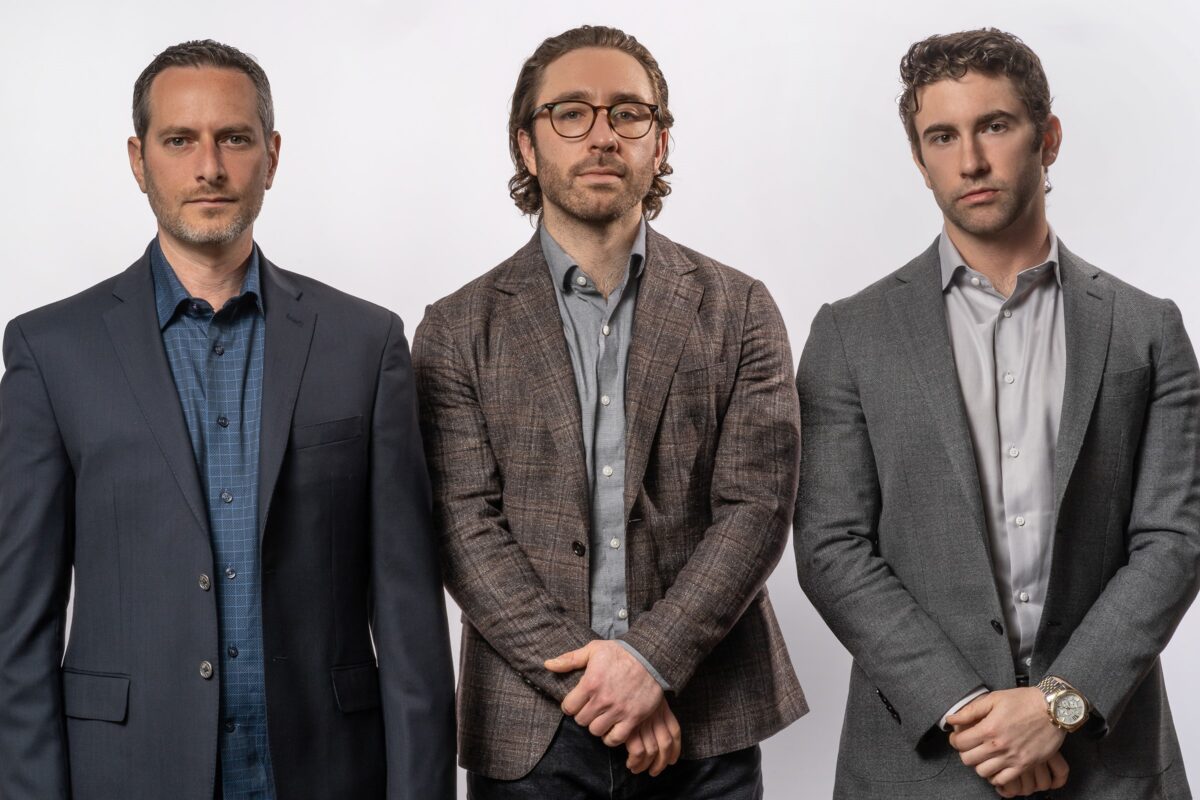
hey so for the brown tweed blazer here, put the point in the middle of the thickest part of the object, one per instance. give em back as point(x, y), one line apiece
point(712, 454)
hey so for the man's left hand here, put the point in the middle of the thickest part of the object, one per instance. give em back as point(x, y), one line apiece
point(1005, 733)
point(615, 694)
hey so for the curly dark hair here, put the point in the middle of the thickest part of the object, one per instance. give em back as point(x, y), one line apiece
point(201, 53)
point(523, 186)
point(987, 50)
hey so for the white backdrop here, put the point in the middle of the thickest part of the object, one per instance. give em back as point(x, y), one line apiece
point(790, 164)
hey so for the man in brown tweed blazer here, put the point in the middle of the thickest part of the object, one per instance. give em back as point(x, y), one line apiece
point(613, 438)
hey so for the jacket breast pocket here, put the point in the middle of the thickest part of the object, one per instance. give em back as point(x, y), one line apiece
point(1120, 383)
point(95, 695)
point(697, 379)
point(337, 430)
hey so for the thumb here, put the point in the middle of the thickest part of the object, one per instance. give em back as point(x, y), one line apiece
point(569, 661)
point(972, 712)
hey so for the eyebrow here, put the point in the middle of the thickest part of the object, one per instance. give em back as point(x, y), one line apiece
point(982, 119)
point(579, 94)
point(183, 130)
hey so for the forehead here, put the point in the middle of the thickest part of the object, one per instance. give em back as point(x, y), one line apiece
point(963, 99)
point(188, 96)
point(595, 73)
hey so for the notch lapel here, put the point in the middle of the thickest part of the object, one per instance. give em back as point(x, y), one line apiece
point(289, 331)
point(667, 302)
point(534, 324)
point(137, 339)
point(1087, 314)
point(919, 308)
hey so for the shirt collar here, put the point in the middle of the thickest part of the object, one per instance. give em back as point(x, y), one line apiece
point(563, 267)
point(169, 292)
point(950, 259)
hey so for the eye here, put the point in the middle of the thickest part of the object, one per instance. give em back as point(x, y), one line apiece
point(237, 139)
point(176, 141)
point(940, 138)
point(997, 127)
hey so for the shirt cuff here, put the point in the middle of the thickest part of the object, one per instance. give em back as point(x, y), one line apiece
point(954, 709)
point(666, 687)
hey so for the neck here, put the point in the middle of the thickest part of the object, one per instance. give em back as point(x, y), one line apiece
point(600, 249)
point(1000, 256)
point(212, 272)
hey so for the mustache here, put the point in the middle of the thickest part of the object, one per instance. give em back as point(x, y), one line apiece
point(602, 162)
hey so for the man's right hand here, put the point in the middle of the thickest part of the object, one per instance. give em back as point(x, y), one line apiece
point(656, 743)
point(1039, 778)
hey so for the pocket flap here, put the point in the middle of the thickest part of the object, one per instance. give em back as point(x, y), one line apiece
point(89, 695)
point(356, 688)
point(337, 430)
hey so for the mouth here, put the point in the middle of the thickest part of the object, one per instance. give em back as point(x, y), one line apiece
point(210, 202)
point(980, 195)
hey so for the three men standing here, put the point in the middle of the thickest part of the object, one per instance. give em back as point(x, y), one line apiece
point(226, 457)
point(999, 505)
point(612, 435)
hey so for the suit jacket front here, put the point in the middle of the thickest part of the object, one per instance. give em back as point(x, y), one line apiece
point(97, 475)
point(711, 449)
point(892, 548)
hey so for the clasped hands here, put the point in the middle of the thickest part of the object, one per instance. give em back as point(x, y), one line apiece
point(620, 702)
point(1007, 737)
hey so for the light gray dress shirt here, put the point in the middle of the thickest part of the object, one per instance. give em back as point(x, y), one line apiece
point(598, 331)
point(1011, 359)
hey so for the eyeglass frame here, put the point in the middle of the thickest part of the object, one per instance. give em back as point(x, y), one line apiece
point(596, 115)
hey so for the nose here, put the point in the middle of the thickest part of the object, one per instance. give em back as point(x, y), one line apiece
point(210, 165)
point(602, 136)
point(972, 159)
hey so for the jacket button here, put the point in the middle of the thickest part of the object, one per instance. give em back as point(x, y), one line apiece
point(206, 670)
point(997, 626)
point(205, 582)
point(578, 548)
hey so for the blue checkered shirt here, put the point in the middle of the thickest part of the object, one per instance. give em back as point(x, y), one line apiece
point(217, 362)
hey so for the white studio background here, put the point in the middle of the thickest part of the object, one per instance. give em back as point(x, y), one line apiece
point(790, 162)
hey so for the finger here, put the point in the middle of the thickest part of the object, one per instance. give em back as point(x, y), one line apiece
point(972, 712)
point(576, 699)
point(1005, 775)
point(619, 733)
point(1058, 771)
point(991, 768)
point(1009, 790)
point(649, 748)
point(602, 724)
point(569, 661)
point(676, 735)
point(1041, 777)
point(637, 760)
point(965, 739)
point(663, 737)
point(1027, 782)
point(975, 756)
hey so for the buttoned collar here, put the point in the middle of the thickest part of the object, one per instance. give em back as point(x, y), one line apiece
point(952, 261)
point(566, 271)
point(170, 294)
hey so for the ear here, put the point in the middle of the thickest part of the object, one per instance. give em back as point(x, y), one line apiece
point(273, 144)
point(136, 163)
point(1051, 140)
point(916, 157)
point(528, 153)
point(660, 148)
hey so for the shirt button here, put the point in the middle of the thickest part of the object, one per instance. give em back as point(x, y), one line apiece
point(581, 281)
point(205, 582)
point(614, 543)
point(1013, 452)
point(1029, 661)
point(607, 330)
point(1020, 522)
point(218, 349)
point(230, 726)
point(974, 281)
point(1023, 597)
point(607, 471)
point(223, 421)
point(622, 614)
point(1007, 313)
point(1009, 377)
point(206, 670)
point(226, 497)
point(605, 400)
point(233, 651)
point(230, 573)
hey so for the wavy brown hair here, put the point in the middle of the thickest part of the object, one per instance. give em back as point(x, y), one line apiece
point(987, 50)
point(523, 186)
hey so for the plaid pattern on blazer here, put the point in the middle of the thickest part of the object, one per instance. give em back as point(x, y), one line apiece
point(712, 447)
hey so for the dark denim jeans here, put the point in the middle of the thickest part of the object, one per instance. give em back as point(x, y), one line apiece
point(578, 766)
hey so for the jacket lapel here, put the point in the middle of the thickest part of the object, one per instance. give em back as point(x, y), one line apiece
point(1087, 313)
point(136, 336)
point(289, 332)
point(919, 308)
point(533, 323)
point(667, 302)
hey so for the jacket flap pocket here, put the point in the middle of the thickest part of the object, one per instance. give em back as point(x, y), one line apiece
point(89, 695)
point(1126, 381)
point(337, 430)
point(356, 688)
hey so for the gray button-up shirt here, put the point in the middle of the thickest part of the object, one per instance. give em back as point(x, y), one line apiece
point(598, 331)
point(1012, 366)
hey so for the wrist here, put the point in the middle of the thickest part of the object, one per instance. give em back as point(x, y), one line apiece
point(1066, 706)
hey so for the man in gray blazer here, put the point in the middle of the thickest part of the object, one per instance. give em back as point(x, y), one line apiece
point(226, 458)
point(999, 505)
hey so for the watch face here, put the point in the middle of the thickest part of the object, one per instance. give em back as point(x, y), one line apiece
point(1069, 708)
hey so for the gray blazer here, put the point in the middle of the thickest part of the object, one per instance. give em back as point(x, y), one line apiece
point(97, 474)
point(892, 549)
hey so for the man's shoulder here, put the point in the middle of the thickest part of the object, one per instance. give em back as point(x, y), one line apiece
point(476, 297)
point(328, 300)
point(68, 314)
point(1133, 303)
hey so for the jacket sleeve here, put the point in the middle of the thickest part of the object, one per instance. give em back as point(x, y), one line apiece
point(408, 623)
point(903, 652)
point(753, 488)
point(1130, 623)
point(36, 497)
point(486, 570)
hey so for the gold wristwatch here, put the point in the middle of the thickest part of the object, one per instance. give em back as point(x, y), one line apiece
point(1068, 709)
